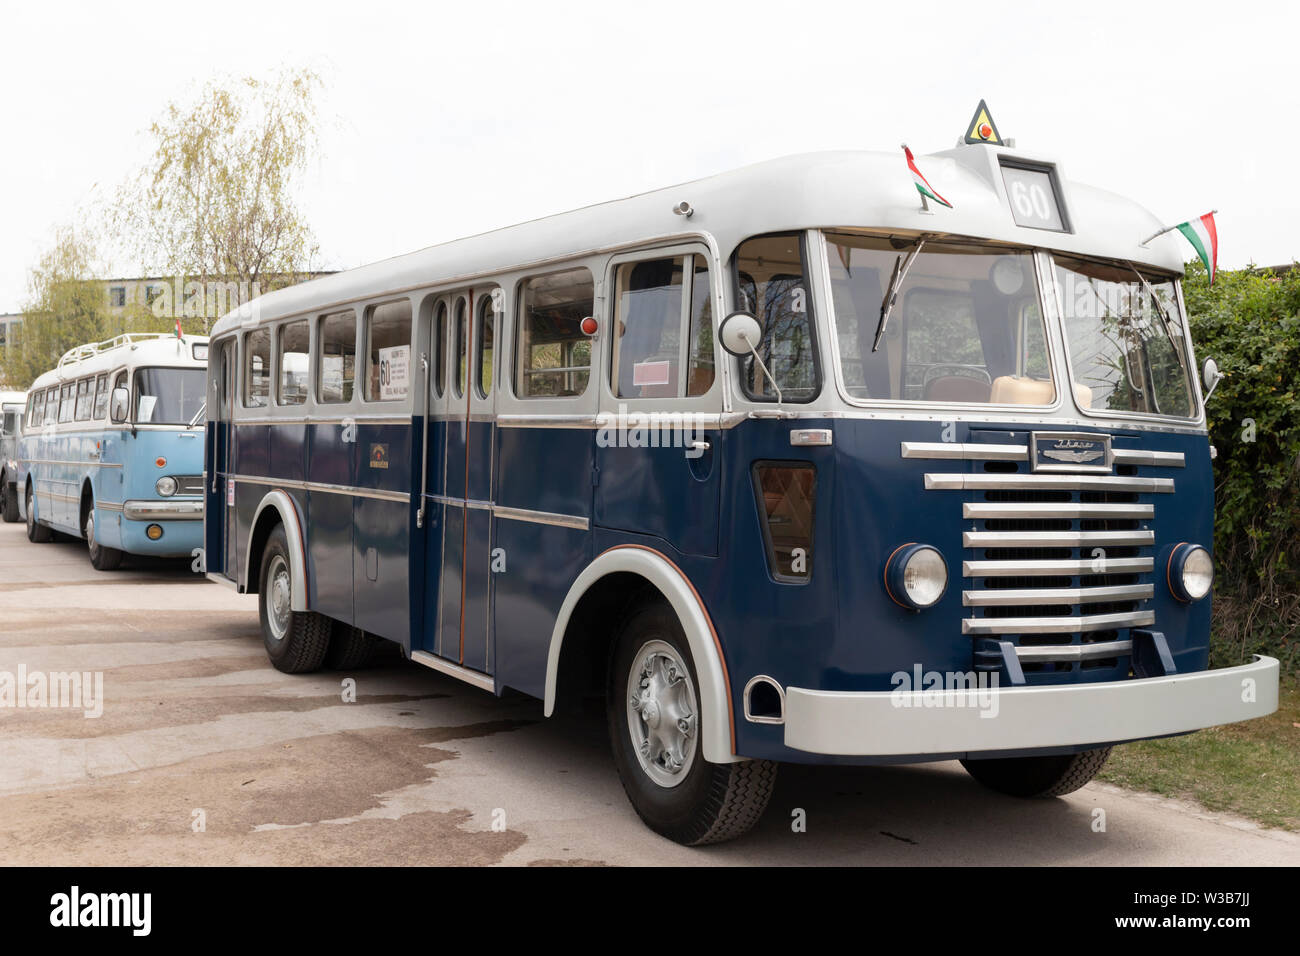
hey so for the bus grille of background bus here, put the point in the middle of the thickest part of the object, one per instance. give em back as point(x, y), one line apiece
point(1062, 574)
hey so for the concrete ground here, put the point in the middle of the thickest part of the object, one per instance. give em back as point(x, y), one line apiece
point(197, 728)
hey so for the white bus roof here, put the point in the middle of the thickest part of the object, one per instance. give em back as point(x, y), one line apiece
point(133, 351)
point(13, 398)
point(849, 189)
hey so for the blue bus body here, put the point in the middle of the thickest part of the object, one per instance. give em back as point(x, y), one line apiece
point(11, 426)
point(504, 516)
point(78, 465)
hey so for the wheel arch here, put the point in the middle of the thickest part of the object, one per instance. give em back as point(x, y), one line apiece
point(277, 508)
point(86, 504)
point(632, 561)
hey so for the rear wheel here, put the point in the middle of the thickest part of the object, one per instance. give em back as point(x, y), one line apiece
point(37, 533)
point(1038, 776)
point(296, 641)
point(9, 508)
point(350, 648)
point(102, 557)
point(654, 725)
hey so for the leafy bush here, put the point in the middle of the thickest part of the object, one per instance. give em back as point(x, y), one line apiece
point(1249, 322)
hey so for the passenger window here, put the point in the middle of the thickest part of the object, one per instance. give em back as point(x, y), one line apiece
point(85, 399)
point(787, 498)
point(51, 406)
point(663, 323)
point(257, 368)
point(67, 402)
point(458, 377)
point(35, 409)
point(338, 358)
point(552, 355)
point(485, 333)
point(293, 352)
point(771, 282)
point(101, 397)
point(388, 351)
point(440, 350)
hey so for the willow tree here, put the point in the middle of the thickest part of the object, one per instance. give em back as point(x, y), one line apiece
point(66, 306)
point(215, 208)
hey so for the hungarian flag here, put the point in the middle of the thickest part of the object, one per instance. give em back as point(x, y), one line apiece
point(1205, 240)
point(922, 184)
point(178, 328)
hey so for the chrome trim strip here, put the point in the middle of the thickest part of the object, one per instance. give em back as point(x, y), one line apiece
point(163, 510)
point(1056, 625)
point(541, 517)
point(1047, 482)
point(481, 681)
point(1134, 456)
point(964, 451)
point(475, 505)
point(313, 420)
point(1075, 652)
point(1009, 569)
point(546, 421)
point(75, 464)
point(1001, 597)
point(1051, 509)
point(377, 493)
point(108, 505)
point(1053, 539)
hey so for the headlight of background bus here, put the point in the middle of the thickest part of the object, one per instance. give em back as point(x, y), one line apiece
point(1190, 573)
point(166, 486)
point(916, 576)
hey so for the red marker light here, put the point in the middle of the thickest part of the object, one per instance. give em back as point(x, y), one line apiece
point(589, 325)
point(985, 131)
point(160, 462)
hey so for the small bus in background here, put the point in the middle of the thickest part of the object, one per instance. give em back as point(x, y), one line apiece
point(11, 423)
point(785, 465)
point(112, 448)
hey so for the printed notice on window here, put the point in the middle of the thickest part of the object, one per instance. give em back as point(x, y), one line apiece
point(394, 372)
point(147, 403)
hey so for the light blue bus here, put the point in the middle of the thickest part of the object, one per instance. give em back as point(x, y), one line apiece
point(11, 417)
point(112, 448)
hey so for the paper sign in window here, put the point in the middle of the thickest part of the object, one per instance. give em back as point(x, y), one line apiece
point(651, 373)
point(394, 372)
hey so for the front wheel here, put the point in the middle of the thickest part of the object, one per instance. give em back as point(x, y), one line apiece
point(654, 724)
point(1038, 776)
point(9, 510)
point(37, 533)
point(102, 557)
point(296, 641)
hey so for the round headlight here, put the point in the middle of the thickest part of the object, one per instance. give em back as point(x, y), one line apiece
point(166, 486)
point(916, 576)
point(1190, 573)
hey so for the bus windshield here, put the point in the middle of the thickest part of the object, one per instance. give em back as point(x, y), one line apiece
point(1126, 354)
point(168, 396)
point(965, 325)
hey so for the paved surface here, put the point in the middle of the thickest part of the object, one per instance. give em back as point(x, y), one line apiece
point(423, 769)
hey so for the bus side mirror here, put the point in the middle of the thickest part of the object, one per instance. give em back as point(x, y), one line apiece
point(1211, 376)
point(740, 333)
point(119, 406)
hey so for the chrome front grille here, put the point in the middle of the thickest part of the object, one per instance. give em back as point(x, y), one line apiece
point(1057, 568)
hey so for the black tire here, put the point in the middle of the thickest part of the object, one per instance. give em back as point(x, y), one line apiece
point(37, 533)
point(9, 510)
point(296, 641)
point(102, 557)
point(1036, 777)
point(710, 802)
point(350, 648)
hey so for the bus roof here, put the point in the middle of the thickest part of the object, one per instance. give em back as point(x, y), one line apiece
point(13, 398)
point(846, 189)
point(134, 350)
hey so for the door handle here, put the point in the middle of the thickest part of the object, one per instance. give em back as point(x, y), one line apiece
point(699, 445)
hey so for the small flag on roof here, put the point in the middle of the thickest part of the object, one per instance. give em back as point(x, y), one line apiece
point(1204, 239)
point(922, 184)
point(178, 328)
point(1203, 236)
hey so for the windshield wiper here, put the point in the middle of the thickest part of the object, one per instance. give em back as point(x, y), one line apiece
point(1165, 322)
point(901, 267)
point(202, 409)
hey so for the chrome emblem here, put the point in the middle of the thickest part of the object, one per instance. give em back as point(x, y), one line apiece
point(1070, 452)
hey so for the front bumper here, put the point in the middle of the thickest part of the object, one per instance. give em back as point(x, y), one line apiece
point(164, 510)
point(910, 723)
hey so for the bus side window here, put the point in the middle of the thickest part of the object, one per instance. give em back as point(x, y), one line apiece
point(485, 337)
point(663, 323)
point(552, 355)
point(291, 344)
point(85, 399)
point(101, 397)
point(440, 350)
point(52, 406)
point(771, 278)
point(337, 364)
point(257, 368)
point(35, 408)
point(458, 377)
point(67, 402)
point(388, 351)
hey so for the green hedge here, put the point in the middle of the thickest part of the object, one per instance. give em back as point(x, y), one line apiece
point(1249, 322)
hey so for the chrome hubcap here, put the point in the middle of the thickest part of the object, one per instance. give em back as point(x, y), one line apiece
point(277, 598)
point(662, 713)
point(90, 531)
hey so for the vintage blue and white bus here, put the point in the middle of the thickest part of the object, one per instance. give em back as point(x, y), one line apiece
point(112, 448)
point(11, 424)
point(784, 465)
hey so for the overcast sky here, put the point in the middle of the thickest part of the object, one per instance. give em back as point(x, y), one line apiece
point(442, 121)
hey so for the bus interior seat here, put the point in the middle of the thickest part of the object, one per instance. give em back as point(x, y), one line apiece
point(1015, 390)
point(956, 388)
